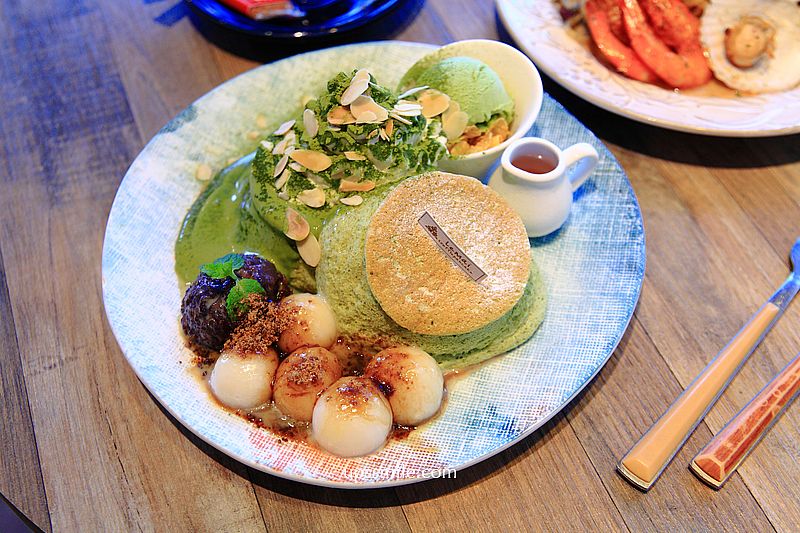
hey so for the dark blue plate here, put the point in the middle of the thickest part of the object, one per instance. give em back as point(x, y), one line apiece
point(322, 18)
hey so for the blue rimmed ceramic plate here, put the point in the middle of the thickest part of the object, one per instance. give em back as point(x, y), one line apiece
point(593, 269)
point(322, 17)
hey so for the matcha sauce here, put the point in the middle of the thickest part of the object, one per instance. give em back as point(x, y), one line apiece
point(222, 220)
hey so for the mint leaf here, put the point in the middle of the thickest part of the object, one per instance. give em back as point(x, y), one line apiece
point(223, 267)
point(243, 288)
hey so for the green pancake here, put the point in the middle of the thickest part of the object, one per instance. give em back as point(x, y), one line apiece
point(342, 280)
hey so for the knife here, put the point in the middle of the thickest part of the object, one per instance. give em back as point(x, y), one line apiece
point(715, 463)
point(648, 458)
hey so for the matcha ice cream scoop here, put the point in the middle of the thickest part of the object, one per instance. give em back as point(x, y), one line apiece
point(470, 82)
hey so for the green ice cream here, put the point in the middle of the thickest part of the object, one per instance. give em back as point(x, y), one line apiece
point(470, 82)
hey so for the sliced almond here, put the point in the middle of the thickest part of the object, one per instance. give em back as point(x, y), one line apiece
point(309, 250)
point(352, 200)
point(453, 108)
point(407, 109)
point(297, 226)
point(454, 124)
point(412, 91)
point(340, 115)
point(433, 103)
point(280, 166)
point(284, 128)
point(355, 90)
point(283, 195)
point(282, 180)
point(261, 121)
point(280, 148)
point(312, 197)
point(296, 167)
point(366, 117)
point(362, 74)
point(372, 134)
point(310, 123)
point(366, 110)
point(317, 181)
point(383, 134)
point(356, 186)
point(400, 119)
point(354, 156)
point(267, 145)
point(389, 127)
point(283, 145)
point(311, 159)
point(203, 172)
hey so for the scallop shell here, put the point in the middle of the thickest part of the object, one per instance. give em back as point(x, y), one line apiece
point(769, 74)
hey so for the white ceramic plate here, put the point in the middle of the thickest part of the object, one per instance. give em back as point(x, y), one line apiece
point(593, 270)
point(538, 29)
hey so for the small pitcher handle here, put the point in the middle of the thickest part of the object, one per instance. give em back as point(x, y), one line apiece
point(586, 156)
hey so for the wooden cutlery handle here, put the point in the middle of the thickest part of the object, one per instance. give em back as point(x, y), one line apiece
point(646, 460)
point(720, 458)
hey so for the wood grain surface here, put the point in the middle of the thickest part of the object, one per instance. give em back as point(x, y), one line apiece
point(84, 85)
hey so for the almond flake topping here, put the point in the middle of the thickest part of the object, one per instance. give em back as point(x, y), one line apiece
point(454, 124)
point(433, 103)
point(389, 127)
point(356, 186)
point(296, 167)
point(310, 123)
point(361, 74)
point(297, 227)
point(309, 250)
point(356, 89)
point(284, 128)
point(280, 182)
point(354, 156)
point(400, 119)
point(412, 91)
point(340, 115)
point(312, 160)
point(366, 110)
point(352, 200)
point(312, 197)
point(280, 166)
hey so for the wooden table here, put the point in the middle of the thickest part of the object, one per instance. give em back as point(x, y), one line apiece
point(84, 447)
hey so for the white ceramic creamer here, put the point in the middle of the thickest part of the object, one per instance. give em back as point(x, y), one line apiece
point(537, 179)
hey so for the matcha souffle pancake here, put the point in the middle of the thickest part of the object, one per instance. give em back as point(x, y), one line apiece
point(393, 279)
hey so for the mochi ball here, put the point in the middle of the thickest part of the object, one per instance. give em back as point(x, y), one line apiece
point(244, 381)
point(411, 380)
point(310, 322)
point(351, 418)
point(301, 379)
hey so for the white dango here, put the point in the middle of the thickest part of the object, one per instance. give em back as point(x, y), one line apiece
point(301, 379)
point(411, 380)
point(310, 322)
point(244, 381)
point(351, 418)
